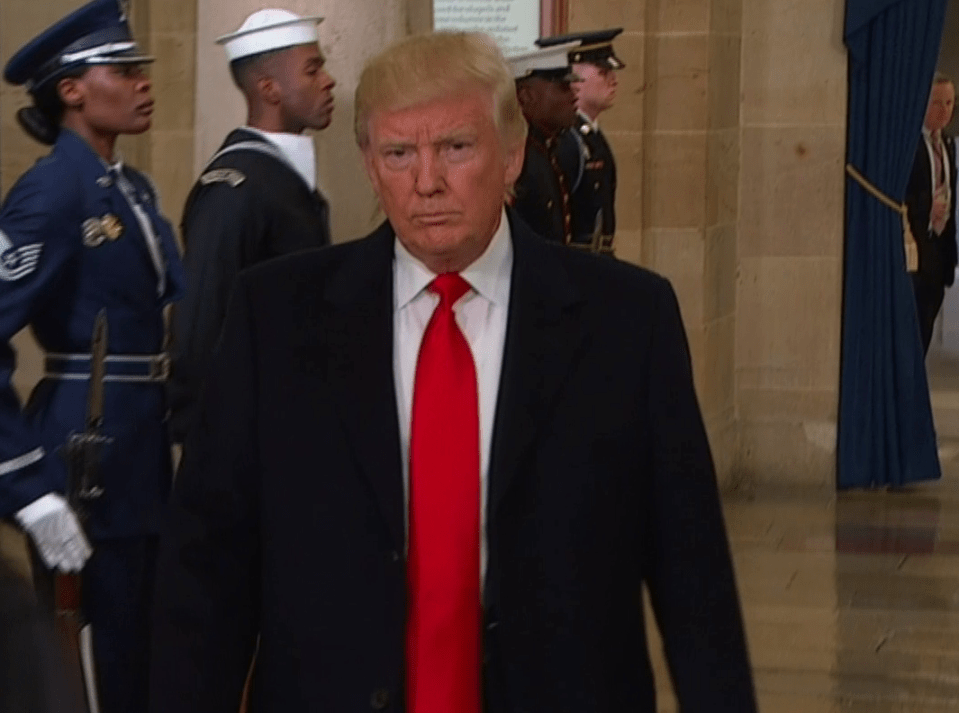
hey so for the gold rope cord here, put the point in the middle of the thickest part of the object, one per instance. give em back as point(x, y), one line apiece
point(909, 242)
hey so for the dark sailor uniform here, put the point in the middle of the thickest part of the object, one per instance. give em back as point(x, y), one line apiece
point(249, 205)
point(541, 193)
point(77, 236)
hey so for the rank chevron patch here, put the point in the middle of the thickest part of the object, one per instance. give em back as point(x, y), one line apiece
point(17, 263)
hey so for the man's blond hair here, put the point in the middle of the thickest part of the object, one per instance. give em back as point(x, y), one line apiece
point(423, 68)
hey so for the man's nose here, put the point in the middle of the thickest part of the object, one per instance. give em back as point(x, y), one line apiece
point(430, 174)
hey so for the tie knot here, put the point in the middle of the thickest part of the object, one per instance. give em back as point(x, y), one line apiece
point(450, 286)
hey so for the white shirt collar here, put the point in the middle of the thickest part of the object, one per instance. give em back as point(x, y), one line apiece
point(488, 275)
point(593, 123)
point(298, 149)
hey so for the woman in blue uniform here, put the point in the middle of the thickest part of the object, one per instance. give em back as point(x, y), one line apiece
point(81, 233)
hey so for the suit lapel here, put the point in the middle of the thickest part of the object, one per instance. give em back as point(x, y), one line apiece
point(359, 332)
point(544, 335)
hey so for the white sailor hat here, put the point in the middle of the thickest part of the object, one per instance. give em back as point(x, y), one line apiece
point(547, 62)
point(269, 30)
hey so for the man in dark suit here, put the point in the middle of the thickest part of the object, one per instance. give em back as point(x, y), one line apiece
point(434, 468)
point(930, 197)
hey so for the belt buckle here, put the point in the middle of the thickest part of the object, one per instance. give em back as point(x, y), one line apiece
point(160, 367)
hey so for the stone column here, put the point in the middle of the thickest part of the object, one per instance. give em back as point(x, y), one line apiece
point(690, 166)
point(791, 238)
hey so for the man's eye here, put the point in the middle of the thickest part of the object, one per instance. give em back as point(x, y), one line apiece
point(458, 149)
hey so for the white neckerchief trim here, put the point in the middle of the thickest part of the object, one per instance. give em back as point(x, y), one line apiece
point(299, 150)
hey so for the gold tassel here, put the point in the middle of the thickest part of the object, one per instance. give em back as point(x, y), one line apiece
point(908, 241)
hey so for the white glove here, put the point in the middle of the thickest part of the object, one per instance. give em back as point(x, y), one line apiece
point(56, 531)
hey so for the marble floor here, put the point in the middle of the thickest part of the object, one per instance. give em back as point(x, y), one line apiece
point(851, 601)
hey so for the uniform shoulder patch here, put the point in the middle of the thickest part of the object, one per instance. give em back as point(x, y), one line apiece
point(223, 175)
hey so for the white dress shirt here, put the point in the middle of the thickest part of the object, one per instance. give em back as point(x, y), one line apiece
point(299, 151)
point(481, 315)
point(946, 168)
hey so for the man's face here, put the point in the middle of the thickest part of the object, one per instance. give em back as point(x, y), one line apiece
point(305, 88)
point(548, 104)
point(941, 103)
point(441, 172)
point(597, 90)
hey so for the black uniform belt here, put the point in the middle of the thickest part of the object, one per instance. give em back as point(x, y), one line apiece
point(129, 368)
point(598, 244)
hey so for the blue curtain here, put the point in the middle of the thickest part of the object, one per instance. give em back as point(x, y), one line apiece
point(886, 433)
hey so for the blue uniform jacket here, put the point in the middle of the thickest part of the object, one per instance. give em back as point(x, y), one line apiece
point(71, 244)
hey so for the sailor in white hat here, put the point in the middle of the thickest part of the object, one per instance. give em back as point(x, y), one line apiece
point(543, 88)
point(257, 197)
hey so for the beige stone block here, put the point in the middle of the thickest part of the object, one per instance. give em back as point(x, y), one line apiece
point(794, 62)
point(627, 112)
point(792, 191)
point(677, 71)
point(790, 405)
point(784, 454)
point(726, 17)
point(174, 81)
point(136, 151)
point(628, 150)
point(719, 272)
point(176, 16)
point(718, 394)
point(722, 176)
point(674, 180)
point(666, 16)
point(595, 14)
point(724, 443)
point(172, 170)
point(29, 362)
point(724, 69)
point(629, 246)
point(678, 256)
point(788, 323)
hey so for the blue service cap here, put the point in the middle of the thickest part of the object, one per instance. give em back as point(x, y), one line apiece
point(97, 33)
point(595, 47)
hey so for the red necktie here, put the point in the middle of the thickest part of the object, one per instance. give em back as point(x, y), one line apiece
point(443, 629)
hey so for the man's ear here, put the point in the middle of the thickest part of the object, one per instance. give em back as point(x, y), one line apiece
point(71, 91)
point(268, 88)
point(515, 156)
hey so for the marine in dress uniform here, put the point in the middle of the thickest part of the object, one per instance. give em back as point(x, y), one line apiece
point(256, 199)
point(82, 233)
point(583, 149)
point(542, 196)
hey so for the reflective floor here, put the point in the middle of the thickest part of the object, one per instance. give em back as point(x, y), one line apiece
point(851, 602)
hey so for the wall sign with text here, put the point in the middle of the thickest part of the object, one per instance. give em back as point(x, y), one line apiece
point(514, 24)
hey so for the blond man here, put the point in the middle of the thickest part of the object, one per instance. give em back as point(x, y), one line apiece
point(443, 461)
